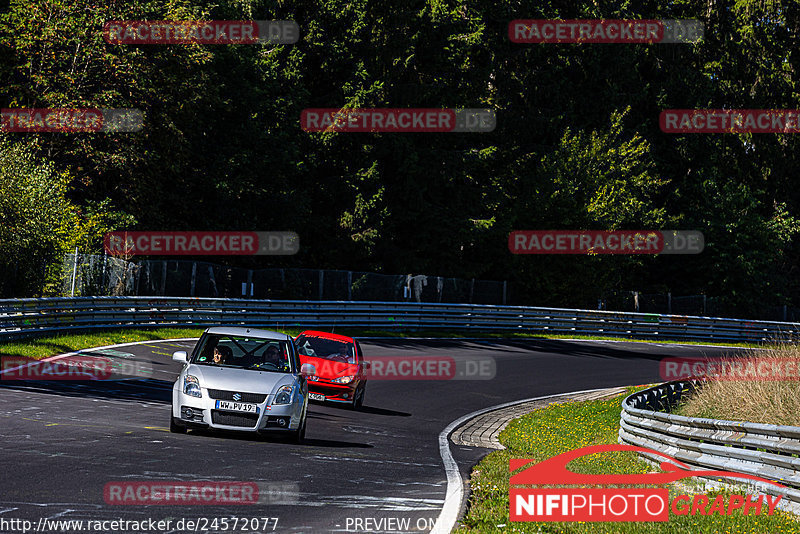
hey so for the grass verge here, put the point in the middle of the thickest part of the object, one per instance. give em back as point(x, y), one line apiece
point(762, 388)
point(562, 427)
point(43, 347)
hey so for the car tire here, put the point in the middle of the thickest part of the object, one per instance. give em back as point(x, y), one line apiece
point(300, 434)
point(176, 428)
point(358, 398)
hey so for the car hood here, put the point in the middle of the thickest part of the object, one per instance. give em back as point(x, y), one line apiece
point(329, 369)
point(228, 378)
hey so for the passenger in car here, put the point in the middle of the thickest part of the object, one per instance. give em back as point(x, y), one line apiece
point(222, 355)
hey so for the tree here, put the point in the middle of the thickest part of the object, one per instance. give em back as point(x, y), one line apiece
point(38, 223)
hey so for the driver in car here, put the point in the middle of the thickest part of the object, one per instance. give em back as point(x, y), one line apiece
point(342, 355)
point(273, 356)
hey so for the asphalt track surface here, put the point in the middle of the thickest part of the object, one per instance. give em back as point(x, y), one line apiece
point(61, 442)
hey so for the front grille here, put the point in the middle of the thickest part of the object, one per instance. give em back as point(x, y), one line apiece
point(219, 394)
point(234, 419)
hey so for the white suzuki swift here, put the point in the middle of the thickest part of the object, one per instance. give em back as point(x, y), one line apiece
point(241, 379)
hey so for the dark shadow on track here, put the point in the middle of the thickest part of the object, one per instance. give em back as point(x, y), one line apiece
point(382, 411)
point(624, 349)
point(140, 389)
point(277, 438)
point(364, 409)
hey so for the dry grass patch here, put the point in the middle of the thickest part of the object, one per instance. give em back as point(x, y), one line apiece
point(746, 396)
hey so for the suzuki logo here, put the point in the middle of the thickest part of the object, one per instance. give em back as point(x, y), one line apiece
point(237, 397)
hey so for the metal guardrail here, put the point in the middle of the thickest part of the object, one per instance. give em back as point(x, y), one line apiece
point(22, 317)
point(767, 451)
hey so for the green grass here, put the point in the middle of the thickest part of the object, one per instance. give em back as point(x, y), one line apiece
point(57, 344)
point(51, 345)
point(560, 428)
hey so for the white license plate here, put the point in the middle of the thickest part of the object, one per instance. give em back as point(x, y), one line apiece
point(316, 396)
point(237, 406)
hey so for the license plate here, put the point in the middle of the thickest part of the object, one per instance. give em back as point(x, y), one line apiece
point(237, 406)
point(316, 396)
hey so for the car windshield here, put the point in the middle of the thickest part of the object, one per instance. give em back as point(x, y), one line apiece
point(243, 352)
point(329, 349)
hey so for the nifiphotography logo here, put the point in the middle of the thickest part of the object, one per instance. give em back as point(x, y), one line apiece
point(618, 504)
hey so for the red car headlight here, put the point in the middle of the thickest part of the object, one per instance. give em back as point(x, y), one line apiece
point(343, 379)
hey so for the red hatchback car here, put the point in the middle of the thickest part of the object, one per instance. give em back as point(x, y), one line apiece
point(340, 367)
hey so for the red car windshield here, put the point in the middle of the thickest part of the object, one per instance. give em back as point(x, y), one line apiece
point(329, 349)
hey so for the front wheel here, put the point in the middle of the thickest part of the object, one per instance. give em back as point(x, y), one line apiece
point(358, 398)
point(300, 434)
point(175, 428)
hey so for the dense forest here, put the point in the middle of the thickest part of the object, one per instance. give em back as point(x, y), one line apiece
point(577, 143)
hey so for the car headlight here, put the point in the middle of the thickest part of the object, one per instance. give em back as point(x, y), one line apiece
point(284, 395)
point(191, 386)
point(343, 379)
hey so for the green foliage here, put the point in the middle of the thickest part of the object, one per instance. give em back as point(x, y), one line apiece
point(577, 143)
point(38, 223)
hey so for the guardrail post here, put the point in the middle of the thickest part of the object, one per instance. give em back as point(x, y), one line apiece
point(74, 271)
point(321, 282)
point(505, 291)
point(194, 278)
point(249, 283)
point(212, 281)
point(349, 285)
point(472, 291)
point(669, 303)
point(105, 266)
point(164, 278)
point(137, 278)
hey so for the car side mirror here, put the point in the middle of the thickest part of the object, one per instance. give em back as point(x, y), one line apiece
point(308, 370)
point(180, 356)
